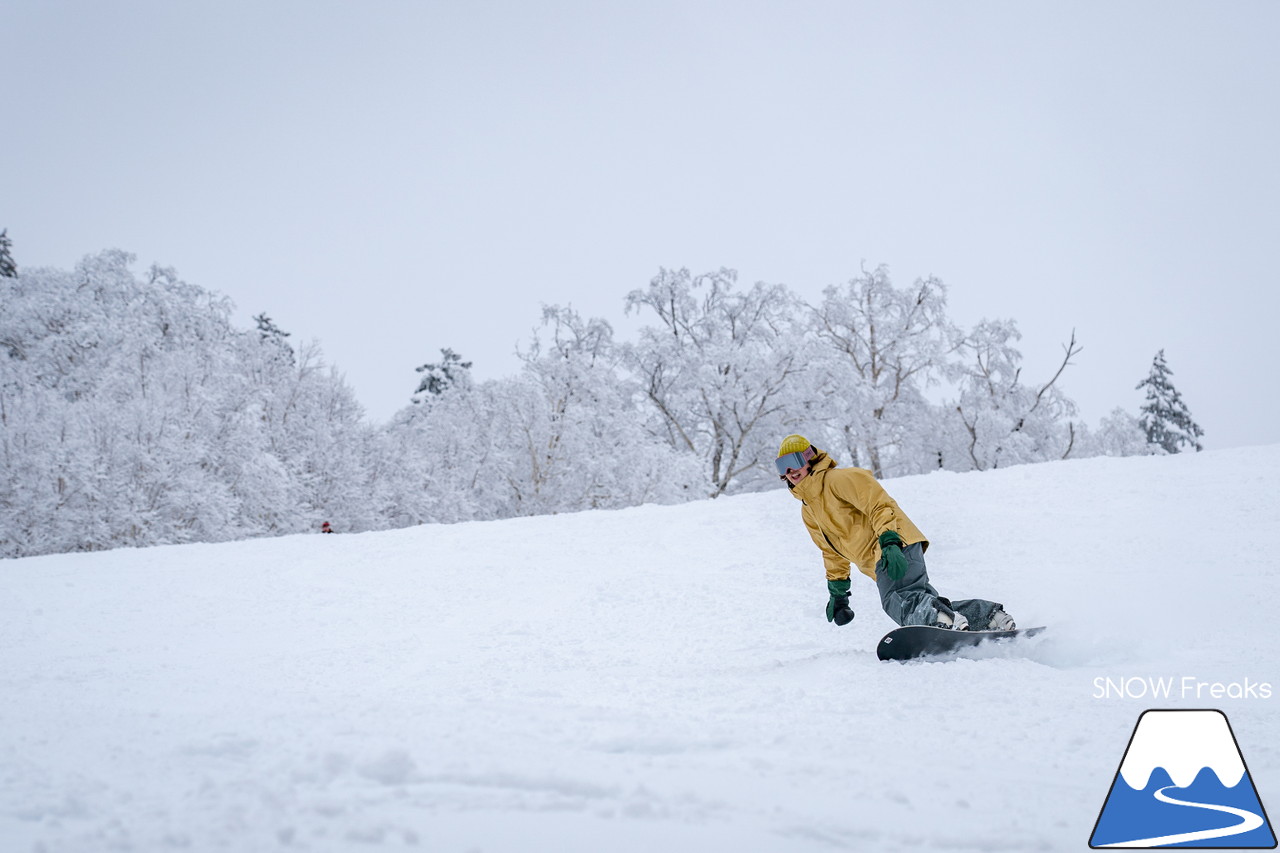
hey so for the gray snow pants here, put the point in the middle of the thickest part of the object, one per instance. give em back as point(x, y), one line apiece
point(912, 600)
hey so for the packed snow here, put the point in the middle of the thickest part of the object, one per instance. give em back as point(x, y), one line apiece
point(656, 678)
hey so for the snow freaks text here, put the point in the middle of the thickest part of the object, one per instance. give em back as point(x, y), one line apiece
point(1172, 687)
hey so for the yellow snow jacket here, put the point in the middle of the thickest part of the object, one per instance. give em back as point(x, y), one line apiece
point(846, 510)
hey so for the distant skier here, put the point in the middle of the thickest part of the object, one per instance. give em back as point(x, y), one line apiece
point(325, 528)
point(852, 519)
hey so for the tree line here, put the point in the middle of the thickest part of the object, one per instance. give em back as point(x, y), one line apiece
point(133, 412)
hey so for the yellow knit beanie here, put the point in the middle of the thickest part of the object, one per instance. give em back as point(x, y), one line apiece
point(793, 444)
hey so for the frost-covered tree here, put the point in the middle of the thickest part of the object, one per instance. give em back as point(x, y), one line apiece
point(720, 369)
point(134, 413)
point(1165, 417)
point(437, 378)
point(8, 269)
point(586, 447)
point(998, 420)
point(448, 452)
point(114, 397)
point(889, 344)
point(1118, 434)
point(269, 332)
point(565, 434)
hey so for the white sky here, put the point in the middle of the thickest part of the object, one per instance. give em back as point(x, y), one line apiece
point(396, 177)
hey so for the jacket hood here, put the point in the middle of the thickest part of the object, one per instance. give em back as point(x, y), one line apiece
point(811, 485)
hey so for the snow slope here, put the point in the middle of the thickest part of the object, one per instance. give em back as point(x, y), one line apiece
point(653, 678)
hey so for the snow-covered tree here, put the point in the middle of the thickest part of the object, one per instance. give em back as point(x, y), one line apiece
point(889, 345)
point(114, 390)
point(8, 269)
point(451, 370)
point(133, 413)
point(268, 331)
point(1118, 434)
point(998, 420)
point(720, 370)
point(584, 436)
point(1165, 417)
point(565, 434)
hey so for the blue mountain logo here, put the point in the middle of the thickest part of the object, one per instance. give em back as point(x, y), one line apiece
point(1183, 783)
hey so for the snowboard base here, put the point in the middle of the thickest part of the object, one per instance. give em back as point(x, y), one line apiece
point(917, 641)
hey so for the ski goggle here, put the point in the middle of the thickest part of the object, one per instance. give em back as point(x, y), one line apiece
point(793, 461)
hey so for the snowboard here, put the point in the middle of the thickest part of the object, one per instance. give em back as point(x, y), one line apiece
point(916, 641)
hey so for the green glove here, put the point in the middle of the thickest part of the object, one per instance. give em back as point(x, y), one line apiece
point(895, 564)
point(838, 609)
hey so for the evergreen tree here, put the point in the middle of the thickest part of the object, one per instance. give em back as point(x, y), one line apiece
point(268, 329)
point(451, 371)
point(269, 332)
point(1165, 418)
point(8, 269)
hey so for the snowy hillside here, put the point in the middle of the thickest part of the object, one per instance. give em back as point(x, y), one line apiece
point(659, 678)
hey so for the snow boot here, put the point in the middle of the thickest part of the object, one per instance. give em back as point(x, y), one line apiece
point(948, 618)
point(1001, 621)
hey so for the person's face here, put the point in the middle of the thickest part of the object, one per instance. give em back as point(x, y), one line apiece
point(794, 466)
point(794, 476)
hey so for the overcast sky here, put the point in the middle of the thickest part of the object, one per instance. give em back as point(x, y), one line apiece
point(391, 178)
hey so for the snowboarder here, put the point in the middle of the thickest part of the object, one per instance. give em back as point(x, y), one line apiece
point(852, 519)
point(325, 528)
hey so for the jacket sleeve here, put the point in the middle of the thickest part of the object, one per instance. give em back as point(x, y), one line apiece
point(837, 567)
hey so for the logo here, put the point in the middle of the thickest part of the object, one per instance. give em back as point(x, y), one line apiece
point(1183, 782)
